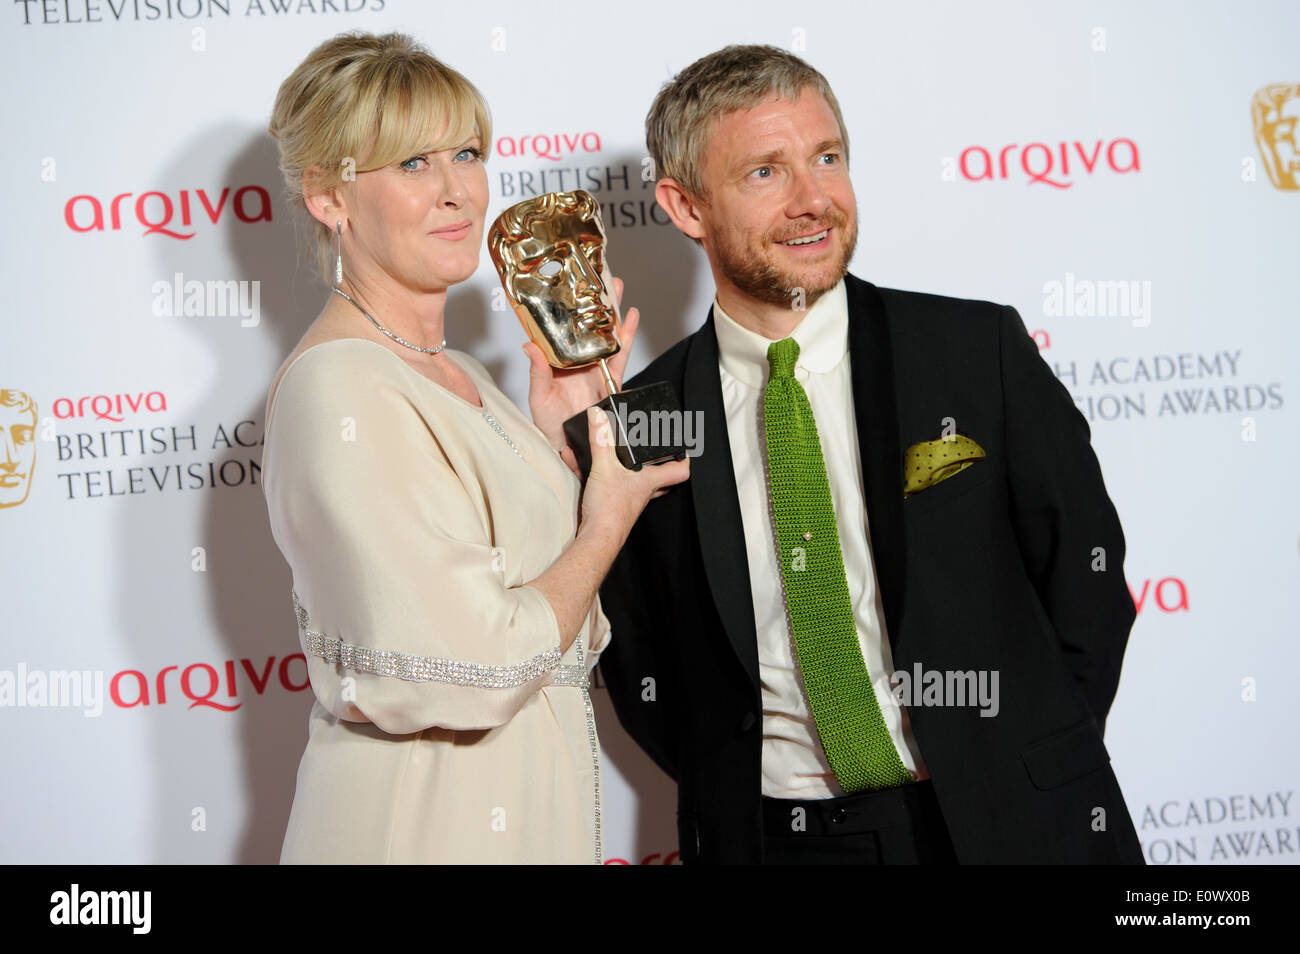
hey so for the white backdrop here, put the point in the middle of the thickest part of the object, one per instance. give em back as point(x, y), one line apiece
point(140, 556)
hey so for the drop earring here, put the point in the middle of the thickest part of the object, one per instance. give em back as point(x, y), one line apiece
point(338, 253)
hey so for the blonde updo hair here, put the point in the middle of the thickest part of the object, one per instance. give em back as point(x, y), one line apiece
point(371, 100)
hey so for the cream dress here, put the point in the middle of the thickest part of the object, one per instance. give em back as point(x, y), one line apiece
point(446, 725)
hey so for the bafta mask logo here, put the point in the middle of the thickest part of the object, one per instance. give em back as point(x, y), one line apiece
point(17, 446)
point(1275, 114)
point(550, 254)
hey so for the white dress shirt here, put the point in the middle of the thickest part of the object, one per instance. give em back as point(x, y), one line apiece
point(794, 762)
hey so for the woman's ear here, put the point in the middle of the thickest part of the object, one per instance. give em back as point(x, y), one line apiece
point(326, 206)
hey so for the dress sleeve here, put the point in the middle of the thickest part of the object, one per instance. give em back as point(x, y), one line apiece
point(598, 632)
point(403, 611)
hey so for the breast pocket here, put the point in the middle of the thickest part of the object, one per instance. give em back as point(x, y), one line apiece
point(953, 488)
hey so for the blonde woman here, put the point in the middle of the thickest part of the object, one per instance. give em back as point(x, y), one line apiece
point(444, 569)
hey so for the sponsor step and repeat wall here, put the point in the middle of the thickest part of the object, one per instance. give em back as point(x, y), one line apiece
point(1128, 176)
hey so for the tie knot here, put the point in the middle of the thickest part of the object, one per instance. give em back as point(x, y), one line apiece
point(781, 356)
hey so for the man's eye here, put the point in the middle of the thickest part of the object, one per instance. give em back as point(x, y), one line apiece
point(830, 158)
point(764, 172)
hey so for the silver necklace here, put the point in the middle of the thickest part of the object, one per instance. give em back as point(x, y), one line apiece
point(492, 422)
point(399, 340)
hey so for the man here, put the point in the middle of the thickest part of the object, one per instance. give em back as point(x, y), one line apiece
point(890, 482)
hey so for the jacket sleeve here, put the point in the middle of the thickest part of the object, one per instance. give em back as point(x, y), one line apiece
point(637, 666)
point(404, 613)
point(1065, 522)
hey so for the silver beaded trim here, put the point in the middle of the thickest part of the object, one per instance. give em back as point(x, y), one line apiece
point(595, 750)
point(421, 668)
point(575, 676)
point(496, 426)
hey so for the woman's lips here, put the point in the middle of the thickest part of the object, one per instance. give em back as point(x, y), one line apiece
point(454, 233)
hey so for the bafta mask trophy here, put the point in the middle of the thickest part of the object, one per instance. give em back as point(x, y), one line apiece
point(1275, 114)
point(550, 254)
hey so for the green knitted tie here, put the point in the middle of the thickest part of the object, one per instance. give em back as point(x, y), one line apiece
point(852, 730)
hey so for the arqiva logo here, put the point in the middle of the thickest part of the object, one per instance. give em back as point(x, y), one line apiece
point(1048, 164)
point(548, 146)
point(202, 685)
point(103, 406)
point(155, 211)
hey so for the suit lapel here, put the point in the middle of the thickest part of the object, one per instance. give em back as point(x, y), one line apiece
point(717, 505)
point(876, 411)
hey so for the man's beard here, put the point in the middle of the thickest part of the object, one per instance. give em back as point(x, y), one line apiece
point(753, 272)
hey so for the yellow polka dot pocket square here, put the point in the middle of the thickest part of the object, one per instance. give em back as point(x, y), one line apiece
point(927, 463)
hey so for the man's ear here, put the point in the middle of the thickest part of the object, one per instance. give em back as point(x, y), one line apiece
point(681, 208)
point(325, 206)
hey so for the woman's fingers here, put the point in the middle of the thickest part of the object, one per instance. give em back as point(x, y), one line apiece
point(669, 473)
point(539, 369)
point(606, 468)
point(599, 435)
point(570, 461)
point(627, 334)
point(630, 323)
point(618, 483)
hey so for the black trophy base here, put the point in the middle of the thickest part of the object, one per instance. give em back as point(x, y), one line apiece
point(648, 425)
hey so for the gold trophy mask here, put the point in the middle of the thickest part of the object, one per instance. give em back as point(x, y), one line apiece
point(1275, 114)
point(549, 252)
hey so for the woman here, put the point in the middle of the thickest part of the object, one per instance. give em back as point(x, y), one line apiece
point(444, 575)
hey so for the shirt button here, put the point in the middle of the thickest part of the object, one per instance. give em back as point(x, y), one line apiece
point(839, 816)
point(747, 722)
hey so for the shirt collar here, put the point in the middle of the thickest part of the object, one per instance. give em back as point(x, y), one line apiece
point(823, 337)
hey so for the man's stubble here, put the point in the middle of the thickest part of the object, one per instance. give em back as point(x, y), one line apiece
point(756, 275)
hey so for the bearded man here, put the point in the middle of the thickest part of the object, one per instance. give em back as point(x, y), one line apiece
point(884, 620)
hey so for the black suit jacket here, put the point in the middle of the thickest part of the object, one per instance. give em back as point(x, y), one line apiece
point(993, 568)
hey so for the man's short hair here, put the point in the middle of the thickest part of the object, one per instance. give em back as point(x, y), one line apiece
point(734, 78)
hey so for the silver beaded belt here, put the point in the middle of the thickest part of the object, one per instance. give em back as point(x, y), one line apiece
point(576, 676)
